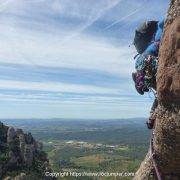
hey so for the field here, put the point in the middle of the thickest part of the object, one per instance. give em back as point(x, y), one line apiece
point(91, 145)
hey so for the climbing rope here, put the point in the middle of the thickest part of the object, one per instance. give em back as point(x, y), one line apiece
point(152, 154)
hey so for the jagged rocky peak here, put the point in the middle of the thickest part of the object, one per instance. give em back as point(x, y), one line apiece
point(166, 143)
point(21, 156)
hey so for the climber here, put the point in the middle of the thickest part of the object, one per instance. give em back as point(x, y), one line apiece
point(147, 40)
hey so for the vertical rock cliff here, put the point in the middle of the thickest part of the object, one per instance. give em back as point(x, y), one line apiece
point(166, 142)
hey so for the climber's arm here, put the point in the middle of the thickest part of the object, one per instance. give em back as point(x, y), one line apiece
point(159, 31)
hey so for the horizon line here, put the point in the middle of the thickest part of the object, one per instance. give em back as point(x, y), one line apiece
point(71, 118)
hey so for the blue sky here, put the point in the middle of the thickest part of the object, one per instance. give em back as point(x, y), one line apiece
point(71, 58)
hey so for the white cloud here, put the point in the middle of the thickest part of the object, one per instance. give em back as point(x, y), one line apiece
point(50, 33)
point(28, 47)
point(74, 98)
point(55, 87)
point(4, 4)
point(124, 18)
point(96, 12)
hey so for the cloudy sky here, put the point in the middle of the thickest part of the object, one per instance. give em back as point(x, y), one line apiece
point(71, 58)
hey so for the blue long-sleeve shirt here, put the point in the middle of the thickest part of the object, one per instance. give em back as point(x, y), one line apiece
point(153, 47)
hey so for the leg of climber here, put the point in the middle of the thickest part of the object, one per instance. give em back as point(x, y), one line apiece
point(150, 122)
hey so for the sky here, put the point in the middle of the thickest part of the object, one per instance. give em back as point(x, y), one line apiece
point(71, 58)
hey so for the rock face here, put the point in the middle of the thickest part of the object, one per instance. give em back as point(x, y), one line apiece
point(21, 156)
point(167, 128)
